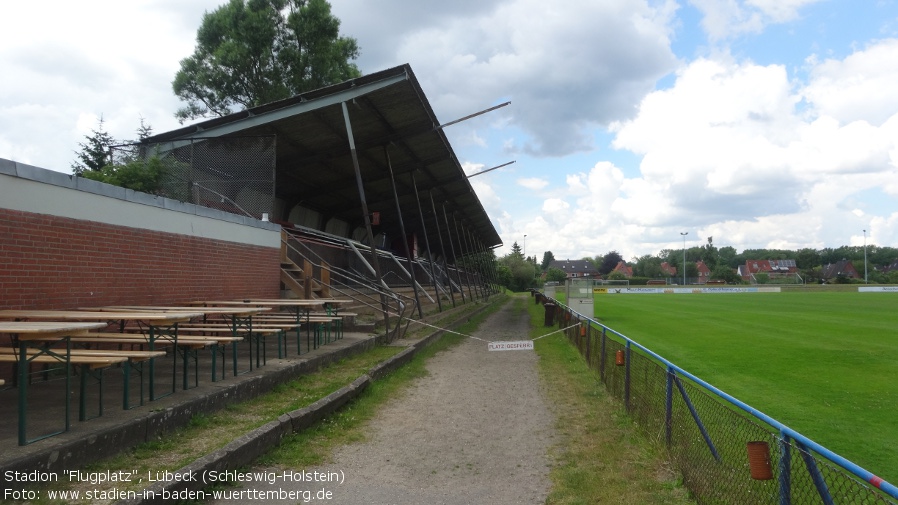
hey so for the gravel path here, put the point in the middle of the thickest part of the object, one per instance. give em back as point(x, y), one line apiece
point(476, 430)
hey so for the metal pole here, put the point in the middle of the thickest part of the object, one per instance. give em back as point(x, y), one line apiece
point(462, 251)
point(684, 255)
point(443, 249)
point(461, 289)
point(408, 253)
point(433, 275)
point(865, 256)
point(366, 215)
point(472, 259)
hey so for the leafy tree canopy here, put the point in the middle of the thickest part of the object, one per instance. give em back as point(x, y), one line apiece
point(252, 52)
point(556, 275)
point(139, 175)
point(609, 261)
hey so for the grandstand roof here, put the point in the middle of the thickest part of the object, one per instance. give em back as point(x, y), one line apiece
point(389, 115)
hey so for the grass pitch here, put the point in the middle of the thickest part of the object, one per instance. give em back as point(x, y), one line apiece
point(824, 364)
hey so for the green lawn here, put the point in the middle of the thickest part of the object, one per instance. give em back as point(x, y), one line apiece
point(824, 364)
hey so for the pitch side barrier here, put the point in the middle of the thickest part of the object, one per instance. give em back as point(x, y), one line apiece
point(639, 290)
point(727, 451)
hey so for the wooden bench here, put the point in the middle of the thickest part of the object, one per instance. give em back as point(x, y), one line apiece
point(100, 353)
point(319, 320)
point(321, 324)
point(96, 359)
point(278, 328)
point(188, 346)
point(85, 361)
point(224, 332)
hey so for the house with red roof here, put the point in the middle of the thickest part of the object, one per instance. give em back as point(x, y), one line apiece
point(668, 270)
point(624, 269)
point(704, 273)
point(772, 268)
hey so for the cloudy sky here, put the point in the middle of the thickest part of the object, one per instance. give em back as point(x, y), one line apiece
point(762, 123)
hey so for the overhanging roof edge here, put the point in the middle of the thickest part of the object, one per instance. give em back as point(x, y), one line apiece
point(298, 108)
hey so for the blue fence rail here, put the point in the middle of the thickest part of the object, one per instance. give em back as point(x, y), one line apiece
point(727, 451)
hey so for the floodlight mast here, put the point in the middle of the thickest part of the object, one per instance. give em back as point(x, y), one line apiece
point(684, 233)
point(865, 256)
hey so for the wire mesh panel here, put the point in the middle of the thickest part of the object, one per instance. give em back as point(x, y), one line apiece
point(233, 174)
point(725, 454)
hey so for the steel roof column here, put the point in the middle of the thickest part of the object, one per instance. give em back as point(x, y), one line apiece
point(484, 271)
point(367, 215)
point(473, 260)
point(433, 275)
point(461, 288)
point(436, 219)
point(461, 249)
point(408, 253)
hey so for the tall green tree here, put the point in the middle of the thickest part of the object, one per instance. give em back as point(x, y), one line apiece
point(95, 151)
point(252, 52)
point(648, 266)
point(516, 272)
point(709, 254)
point(609, 261)
point(548, 258)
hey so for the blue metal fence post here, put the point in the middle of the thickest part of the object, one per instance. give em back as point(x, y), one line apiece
point(627, 379)
point(602, 362)
point(815, 474)
point(785, 469)
point(668, 410)
point(697, 419)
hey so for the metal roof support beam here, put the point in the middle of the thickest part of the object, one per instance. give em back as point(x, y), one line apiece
point(472, 260)
point(461, 249)
point(493, 267)
point(443, 249)
point(408, 252)
point(484, 275)
point(367, 216)
point(461, 288)
point(433, 275)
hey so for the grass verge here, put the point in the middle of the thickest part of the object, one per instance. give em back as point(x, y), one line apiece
point(602, 458)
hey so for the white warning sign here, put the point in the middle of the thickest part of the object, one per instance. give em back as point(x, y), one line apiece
point(511, 345)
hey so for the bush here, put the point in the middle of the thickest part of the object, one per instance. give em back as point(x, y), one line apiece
point(145, 176)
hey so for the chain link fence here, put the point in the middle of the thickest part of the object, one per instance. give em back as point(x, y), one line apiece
point(233, 174)
point(727, 452)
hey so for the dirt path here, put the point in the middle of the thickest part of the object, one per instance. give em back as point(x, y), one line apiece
point(477, 429)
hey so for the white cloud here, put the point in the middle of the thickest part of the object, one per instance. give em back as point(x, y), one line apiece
point(728, 152)
point(601, 56)
point(534, 183)
point(726, 19)
point(859, 88)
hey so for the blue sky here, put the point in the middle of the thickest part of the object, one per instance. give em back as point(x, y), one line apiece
point(762, 123)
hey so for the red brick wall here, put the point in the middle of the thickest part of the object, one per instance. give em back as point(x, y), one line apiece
point(50, 262)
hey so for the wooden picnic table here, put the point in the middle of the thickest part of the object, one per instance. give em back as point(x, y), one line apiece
point(45, 334)
point(238, 318)
point(301, 308)
point(159, 325)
